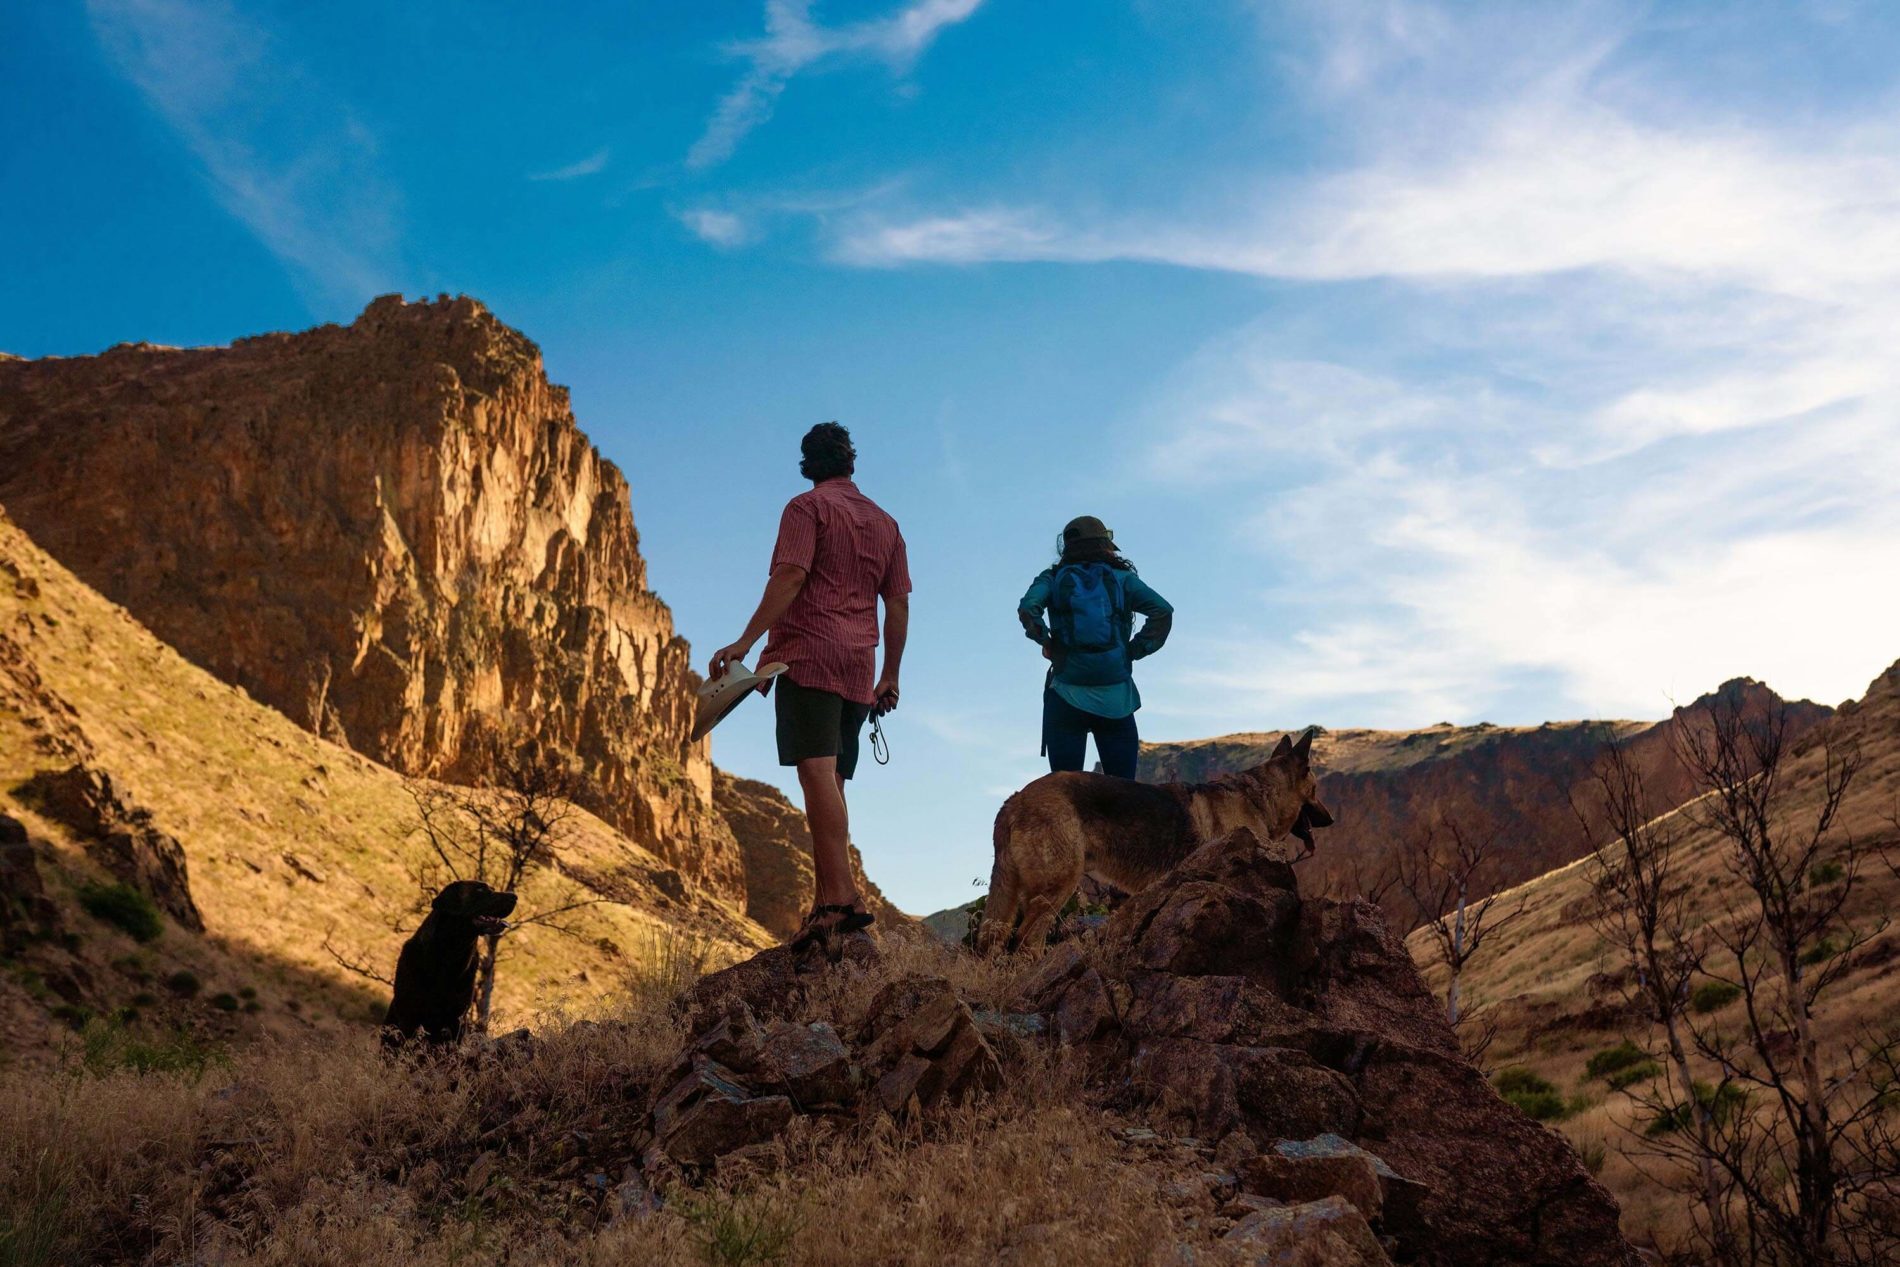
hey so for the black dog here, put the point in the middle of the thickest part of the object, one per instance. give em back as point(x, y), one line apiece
point(435, 974)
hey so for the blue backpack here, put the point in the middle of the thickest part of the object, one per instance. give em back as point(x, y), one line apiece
point(1088, 611)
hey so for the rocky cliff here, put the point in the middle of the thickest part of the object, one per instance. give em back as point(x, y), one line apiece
point(391, 531)
point(1515, 782)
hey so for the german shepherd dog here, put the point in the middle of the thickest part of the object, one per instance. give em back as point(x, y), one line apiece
point(1131, 834)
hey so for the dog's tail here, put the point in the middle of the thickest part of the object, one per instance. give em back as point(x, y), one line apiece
point(999, 911)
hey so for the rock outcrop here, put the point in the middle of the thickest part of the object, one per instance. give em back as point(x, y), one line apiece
point(392, 532)
point(775, 844)
point(1514, 782)
point(1298, 1033)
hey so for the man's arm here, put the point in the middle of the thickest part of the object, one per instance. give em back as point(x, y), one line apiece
point(896, 630)
point(787, 580)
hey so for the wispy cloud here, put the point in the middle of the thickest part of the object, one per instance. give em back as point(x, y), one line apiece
point(794, 42)
point(303, 180)
point(1617, 418)
point(592, 165)
point(719, 228)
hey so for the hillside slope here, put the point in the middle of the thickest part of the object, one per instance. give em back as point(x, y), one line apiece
point(281, 840)
point(1514, 780)
point(1549, 980)
point(394, 533)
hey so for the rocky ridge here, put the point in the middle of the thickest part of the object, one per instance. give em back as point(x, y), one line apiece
point(394, 533)
point(1515, 781)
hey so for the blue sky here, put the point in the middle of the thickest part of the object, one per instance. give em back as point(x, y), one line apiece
point(1438, 362)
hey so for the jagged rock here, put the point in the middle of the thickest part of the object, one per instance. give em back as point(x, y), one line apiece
point(119, 836)
point(710, 1113)
point(927, 1045)
point(772, 982)
point(734, 1040)
point(809, 1063)
point(1249, 1015)
point(25, 910)
point(1326, 1233)
point(392, 532)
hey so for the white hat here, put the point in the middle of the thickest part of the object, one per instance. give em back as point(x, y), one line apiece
point(721, 696)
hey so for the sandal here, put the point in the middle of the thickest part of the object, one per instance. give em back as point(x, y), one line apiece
point(828, 918)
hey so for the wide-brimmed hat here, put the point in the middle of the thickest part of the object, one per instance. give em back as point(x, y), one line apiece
point(722, 695)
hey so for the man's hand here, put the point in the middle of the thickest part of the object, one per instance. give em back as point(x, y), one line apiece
point(885, 694)
point(726, 656)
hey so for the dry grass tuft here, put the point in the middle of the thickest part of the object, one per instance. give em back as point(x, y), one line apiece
point(297, 1152)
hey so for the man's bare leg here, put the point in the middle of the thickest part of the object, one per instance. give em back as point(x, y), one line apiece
point(830, 823)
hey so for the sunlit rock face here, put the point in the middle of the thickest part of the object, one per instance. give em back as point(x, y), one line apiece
point(392, 531)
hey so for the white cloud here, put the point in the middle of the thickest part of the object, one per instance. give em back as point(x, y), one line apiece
point(794, 43)
point(280, 153)
point(592, 165)
point(720, 228)
point(1620, 419)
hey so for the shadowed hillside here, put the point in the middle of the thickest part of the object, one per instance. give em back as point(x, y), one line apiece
point(229, 815)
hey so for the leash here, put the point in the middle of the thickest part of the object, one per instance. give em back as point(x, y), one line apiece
point(880, 746)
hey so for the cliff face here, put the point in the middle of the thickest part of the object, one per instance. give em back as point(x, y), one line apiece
point(776, 846)
point(394, 533)
point(1514, 781)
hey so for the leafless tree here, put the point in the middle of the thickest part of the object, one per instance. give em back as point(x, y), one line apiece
point(516, 822)
point(1798, 1147)
point(1641, 909)
point(1446, 872)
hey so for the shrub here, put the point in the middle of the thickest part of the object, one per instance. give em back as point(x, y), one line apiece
point(123, 907)
point(247, 993)
point(1722, 1102)
point(1611, 1060)
point(1634, 1074)
point(106, 1048)
point(741, 1231)
point(1825, 873)
point(184, 983)
point(1594, 1153)
point(1713, 996)
point(224, 1002)
point(1532, 1095)
point(1820, 951)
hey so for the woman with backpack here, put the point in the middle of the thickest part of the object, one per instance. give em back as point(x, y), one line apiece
point(1091, 596)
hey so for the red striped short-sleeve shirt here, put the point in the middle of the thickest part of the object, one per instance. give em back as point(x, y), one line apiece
point(853, 555)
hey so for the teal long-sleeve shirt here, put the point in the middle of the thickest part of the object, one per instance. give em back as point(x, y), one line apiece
point(1122, 698)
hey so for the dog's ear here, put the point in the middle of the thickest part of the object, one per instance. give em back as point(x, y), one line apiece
point(1303, 750)
point(1283, 748)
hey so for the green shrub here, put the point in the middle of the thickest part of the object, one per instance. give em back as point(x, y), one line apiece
point(1722, 1102)
point(734, 1231)
point(107, 1048)
point(1532, 1095)
point(72, 1014)
point(144, 998)
point(1630, 1076)
point(1825, 873)
point(1594, 1153)
point(123, 907)
point(224, 1002)
point(252, 1007)
point(1820, 951)
point(184, 983)
point(1610, 1060)
point(1713, 996)
point(247, 993)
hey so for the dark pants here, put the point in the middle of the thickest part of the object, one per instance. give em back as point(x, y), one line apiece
point(1066, 730)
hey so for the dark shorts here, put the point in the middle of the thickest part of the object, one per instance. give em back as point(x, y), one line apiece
point(814, 723)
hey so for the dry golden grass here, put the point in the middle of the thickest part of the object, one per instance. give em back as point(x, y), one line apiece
point(301, 1151)
point(289, 839)
point(1536, 976)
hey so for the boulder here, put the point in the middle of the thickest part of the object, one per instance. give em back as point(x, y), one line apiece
point(710, 1113)
point(1295, 1031)
point(809, 1063)
point(25, 910)
point(119, 836)
point(926, 1045)
point(1325, 1233)
point(772, 982)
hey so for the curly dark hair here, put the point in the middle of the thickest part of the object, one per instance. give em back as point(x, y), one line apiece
point(1092, 550)
point(828, 453)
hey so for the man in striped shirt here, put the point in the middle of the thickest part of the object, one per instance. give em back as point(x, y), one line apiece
point(837, 554)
